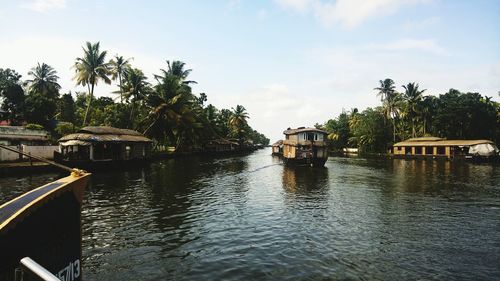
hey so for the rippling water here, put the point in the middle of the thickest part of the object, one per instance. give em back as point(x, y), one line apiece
point(251, 218)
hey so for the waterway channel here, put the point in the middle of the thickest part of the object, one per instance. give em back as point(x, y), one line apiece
point(250, 218)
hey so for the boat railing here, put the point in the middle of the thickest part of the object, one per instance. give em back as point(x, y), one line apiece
point(34, 270)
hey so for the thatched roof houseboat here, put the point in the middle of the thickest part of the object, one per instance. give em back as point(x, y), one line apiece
point(442, 148)
point(103, 144)
point(305, 146)
point(220, 145)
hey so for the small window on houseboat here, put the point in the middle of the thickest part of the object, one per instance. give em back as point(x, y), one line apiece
point(315, 136)
point(441, 150)
point(428, 150)
point(418, 150)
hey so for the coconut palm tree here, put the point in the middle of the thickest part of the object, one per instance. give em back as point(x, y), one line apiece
point(118, 67)
point(238, 122)
point(135, 88)
point(89, 69)
point(386, 88)
point(172, 111)
point(412, 96)
point(44, 79)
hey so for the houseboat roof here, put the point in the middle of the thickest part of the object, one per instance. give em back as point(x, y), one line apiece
point(105, 134)
point(221, 142)
point(302, 129)
point(442, 142)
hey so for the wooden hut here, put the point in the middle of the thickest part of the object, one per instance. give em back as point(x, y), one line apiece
point(102, 144)
point(435, 147)
point(305, 146)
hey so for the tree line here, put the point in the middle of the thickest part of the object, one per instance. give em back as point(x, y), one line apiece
point(410, 113)
point(165, 109)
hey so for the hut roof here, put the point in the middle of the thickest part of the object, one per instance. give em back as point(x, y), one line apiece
point(106, 130)
point(443, 143)
point(105, 134)
point(302, 129)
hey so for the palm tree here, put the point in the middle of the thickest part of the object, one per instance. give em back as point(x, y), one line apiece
point(89, 69)
point(44, 79)
point(135, 88)
point(412, 96)
point(173, 114)
point(119, 66)
point(386, 88)
point(238, 122)
point(392, 109)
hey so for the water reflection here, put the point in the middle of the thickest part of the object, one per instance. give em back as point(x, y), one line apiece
point(250, 217)
point(304, 179)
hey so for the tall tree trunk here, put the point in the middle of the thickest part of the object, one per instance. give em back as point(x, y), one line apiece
point(132, 115)
point(121, 89)
point(393, 130)
point(91, 94)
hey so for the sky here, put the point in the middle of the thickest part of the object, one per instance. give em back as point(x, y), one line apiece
point(291, 63)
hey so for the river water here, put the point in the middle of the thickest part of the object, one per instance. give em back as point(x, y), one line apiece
point(251, 218)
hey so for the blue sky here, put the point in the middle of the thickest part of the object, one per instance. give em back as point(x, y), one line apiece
point(289, 62)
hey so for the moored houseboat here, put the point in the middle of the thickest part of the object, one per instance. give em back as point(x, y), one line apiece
point(305, 146)
point(434, 147)
point(40, 232)
point(277, 148)
point(220, 146)
point(93, 147)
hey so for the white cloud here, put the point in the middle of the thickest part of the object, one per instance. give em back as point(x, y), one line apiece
point(295, 5)
point(262, 14)
point(421, 24)
point(275, 107)
point(60, 53)
point(424, 45)
point(349, 13)
point(43, 6)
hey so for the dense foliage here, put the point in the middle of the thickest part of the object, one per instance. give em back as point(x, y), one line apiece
point(166, 109)
point(409, 114)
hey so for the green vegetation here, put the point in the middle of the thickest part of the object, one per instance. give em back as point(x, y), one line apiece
point(452, 115)
point(165, 110)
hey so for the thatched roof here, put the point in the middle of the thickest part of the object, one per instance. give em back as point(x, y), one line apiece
point(303, 129)
point(106, 130)
point(443, 143)
point(105, 134)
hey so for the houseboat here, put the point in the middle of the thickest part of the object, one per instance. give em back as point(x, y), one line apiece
point(40, 232)
point(277, 148)
point(93, 147)
point(434, 147)
point(305, 146)
point(220, 146)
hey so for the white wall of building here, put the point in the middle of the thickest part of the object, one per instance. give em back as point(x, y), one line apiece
point(45, 151)
point(7, 155)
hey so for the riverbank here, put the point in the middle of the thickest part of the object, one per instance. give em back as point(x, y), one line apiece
point(25, 167)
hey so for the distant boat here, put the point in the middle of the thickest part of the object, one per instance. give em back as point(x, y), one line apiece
point(305, 146)
point(43, 229)
point(434, 147)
